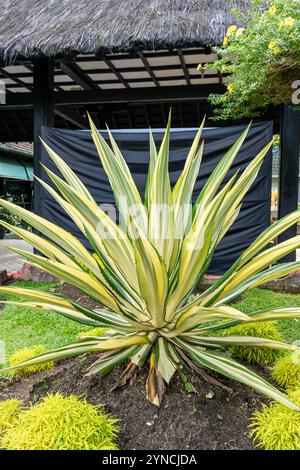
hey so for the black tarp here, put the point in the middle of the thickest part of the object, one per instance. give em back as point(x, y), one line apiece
point(77, 149)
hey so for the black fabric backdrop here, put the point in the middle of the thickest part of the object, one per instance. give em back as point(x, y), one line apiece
point(77, 149)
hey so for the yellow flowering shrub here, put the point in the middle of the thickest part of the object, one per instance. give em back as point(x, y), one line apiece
point(255, 55)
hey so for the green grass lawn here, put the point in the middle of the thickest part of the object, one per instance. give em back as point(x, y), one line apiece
point(21, 327)
point(260, 299)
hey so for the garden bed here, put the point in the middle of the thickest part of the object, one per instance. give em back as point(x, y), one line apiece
point(184, 421)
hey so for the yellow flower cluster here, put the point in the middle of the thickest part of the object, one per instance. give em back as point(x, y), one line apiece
point(202, 68)
point(240, 31)
point(274, 47)
point(287, 22)
point(233, 30)
point(230, 88)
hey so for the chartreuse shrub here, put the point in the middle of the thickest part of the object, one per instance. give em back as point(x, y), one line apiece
point(286, 371)
point(26, 354)
point(8, 411)
point(276, 427)
point(61, 423)
point(93, 332)
point(256, 355)
point(148, 266)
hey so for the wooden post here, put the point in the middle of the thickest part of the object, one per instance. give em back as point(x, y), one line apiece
point(2, 184)
point(289, 169)
point(43, 115)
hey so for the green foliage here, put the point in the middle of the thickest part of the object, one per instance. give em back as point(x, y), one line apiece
point(260, 330)
point(61, 423)
point(266, 59)
point(277, 427)
point(21, 326)
point(8, 411)
point(5, 216)
point(23, 355)
point(286, 370)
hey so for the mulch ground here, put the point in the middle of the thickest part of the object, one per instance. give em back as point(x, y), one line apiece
point(184, 421)
point(210, 419)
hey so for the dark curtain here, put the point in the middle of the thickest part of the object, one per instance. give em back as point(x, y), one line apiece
point(77, 149)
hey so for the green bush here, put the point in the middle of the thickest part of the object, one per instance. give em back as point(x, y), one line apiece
point(8, 411)
point(276, 427)
point(61, 423)
point(23, 355)
point(253, 355)
point(286, 370)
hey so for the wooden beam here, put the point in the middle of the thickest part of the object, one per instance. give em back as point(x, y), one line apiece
point(78, 76)
point(43, 115)
point(163, 113)
point(30, 75)
point(180, 114)
point(106, 71)
point(114, 120)
point(184, 67)
point(129, 117)
point(7, 128)
point(114, 70)
point(20, 122)
point(129, 81)
point(2, 190)
point(17, 101)
point(15, 79)
point(136, 95)
point(148, 68)
point(148, 54)
point(147, 115)
point(72, 117)
point(289, 169)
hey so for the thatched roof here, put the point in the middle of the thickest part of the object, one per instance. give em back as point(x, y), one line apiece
point(34, 27)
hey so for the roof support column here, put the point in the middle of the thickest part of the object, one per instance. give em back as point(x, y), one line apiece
point(2, 185)
point(43, 115)
point(289, 169)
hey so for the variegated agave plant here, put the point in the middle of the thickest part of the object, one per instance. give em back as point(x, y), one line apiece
point(143, 277)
